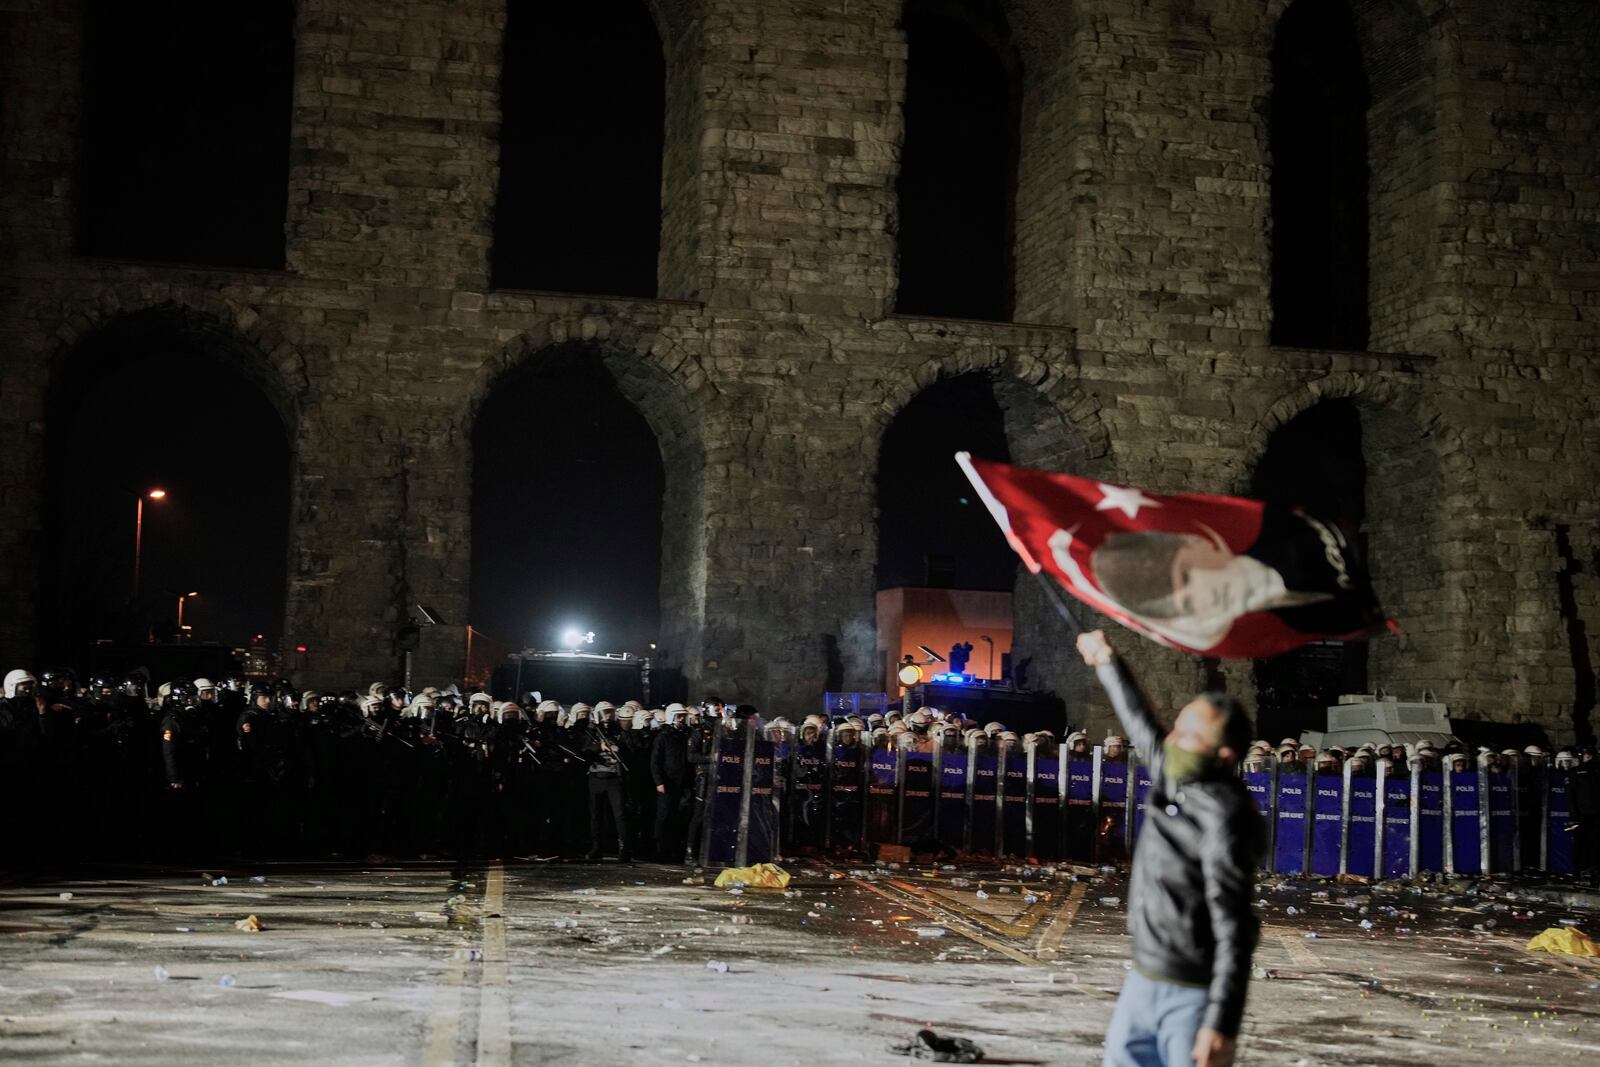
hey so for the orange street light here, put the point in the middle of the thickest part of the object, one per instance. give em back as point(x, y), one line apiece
point(181, 598)
point(138, 533)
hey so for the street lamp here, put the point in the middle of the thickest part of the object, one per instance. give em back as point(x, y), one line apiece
point(138, 532)
point(986, 639)
point(181, 598)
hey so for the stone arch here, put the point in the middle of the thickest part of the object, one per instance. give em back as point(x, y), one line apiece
point(1070, 432)
point(1418, 488)
point(98, 341)
point(1049, 422)
point(234, 330)
point(670, 390)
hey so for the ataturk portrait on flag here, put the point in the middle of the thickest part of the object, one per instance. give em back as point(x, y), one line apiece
point(1213, 575)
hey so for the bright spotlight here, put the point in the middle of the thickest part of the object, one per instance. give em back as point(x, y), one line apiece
point(573, 638)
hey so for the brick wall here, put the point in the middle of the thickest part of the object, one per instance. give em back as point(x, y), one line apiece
point(773, 369)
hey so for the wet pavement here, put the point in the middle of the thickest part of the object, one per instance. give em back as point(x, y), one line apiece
point(534, 963)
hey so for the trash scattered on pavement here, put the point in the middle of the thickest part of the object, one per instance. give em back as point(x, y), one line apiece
point(431, 916)
point(249, 924)
point(565, 924)
point(928, 1045)
point(1110, 902)
point(223, 880)
point(258, 879)
point(375, 924)
point(931, 931)
point(66, 896)
point(759, 875)
point(718, 966)
point(1568, 942)
point(161, 973)
point(583, 892)
point(226, 981)
point(184, 929)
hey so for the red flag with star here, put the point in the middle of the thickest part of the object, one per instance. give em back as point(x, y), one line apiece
point(1213, 575)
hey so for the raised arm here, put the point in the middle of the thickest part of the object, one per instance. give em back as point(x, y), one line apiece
point(1127, 699)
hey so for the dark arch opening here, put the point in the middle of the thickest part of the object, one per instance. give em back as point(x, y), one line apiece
point(1317, 128)
point(568, 487)
point(1315, 461)
point(159, 400)
point(185, 148)
point(958, 167)
point(939, 550)
point(583, 118)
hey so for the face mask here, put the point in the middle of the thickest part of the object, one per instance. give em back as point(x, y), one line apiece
point(1185, 766)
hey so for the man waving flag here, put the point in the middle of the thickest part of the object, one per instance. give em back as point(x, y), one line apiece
point(1213, 575)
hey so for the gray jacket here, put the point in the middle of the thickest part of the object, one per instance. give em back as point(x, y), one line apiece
point(1194, 869)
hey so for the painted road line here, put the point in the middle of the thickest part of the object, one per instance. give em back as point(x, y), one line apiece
point(444, 1024)
point(1050, 940)
point(494, 995)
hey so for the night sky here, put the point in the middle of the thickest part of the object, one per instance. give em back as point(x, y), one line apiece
point(567, 488)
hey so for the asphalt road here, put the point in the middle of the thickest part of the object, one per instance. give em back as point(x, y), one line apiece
point(604, 964)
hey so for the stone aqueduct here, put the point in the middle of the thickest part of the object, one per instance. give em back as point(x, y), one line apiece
point(771, 362)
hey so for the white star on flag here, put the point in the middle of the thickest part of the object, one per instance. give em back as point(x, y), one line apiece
point(1127, 501)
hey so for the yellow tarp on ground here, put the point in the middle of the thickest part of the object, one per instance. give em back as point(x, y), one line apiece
point(761, 875)
point(1566, 941)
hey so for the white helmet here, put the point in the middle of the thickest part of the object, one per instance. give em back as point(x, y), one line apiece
point(675, 709)
point(202, 684)
point(16, 678)
point(480, 698)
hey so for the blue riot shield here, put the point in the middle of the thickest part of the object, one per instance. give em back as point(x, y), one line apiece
point(1430, 822)
point(1289, 845)
point(1502, 822)
point(916, 808)
point(761, 816)
point(1015, 804)
point(1362, 833)
point(1079, 817)
point(1111, 843)
point(845, 801)
point(805, 815)
point(1142, 784)
point(883, 796)
point(720, 845)
point(981, 814)
point(1327, 824)
point(953, 800)
point(1044, 808)
point(1397, 826)
point(1466, 841)
point(1559, 843)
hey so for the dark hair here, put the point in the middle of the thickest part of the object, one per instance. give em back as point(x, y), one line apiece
point(1135, 570)
point(1237, 730)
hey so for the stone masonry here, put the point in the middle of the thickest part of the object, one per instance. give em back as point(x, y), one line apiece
point(771, 365)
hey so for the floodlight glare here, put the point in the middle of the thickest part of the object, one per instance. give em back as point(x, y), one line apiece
point(572, 638)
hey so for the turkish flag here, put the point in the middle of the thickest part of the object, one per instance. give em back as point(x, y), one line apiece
point(1213, 575)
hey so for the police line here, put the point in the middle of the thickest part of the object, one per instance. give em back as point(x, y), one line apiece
point(773, 798)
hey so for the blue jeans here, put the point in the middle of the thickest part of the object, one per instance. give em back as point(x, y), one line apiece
point(1154, 1024)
